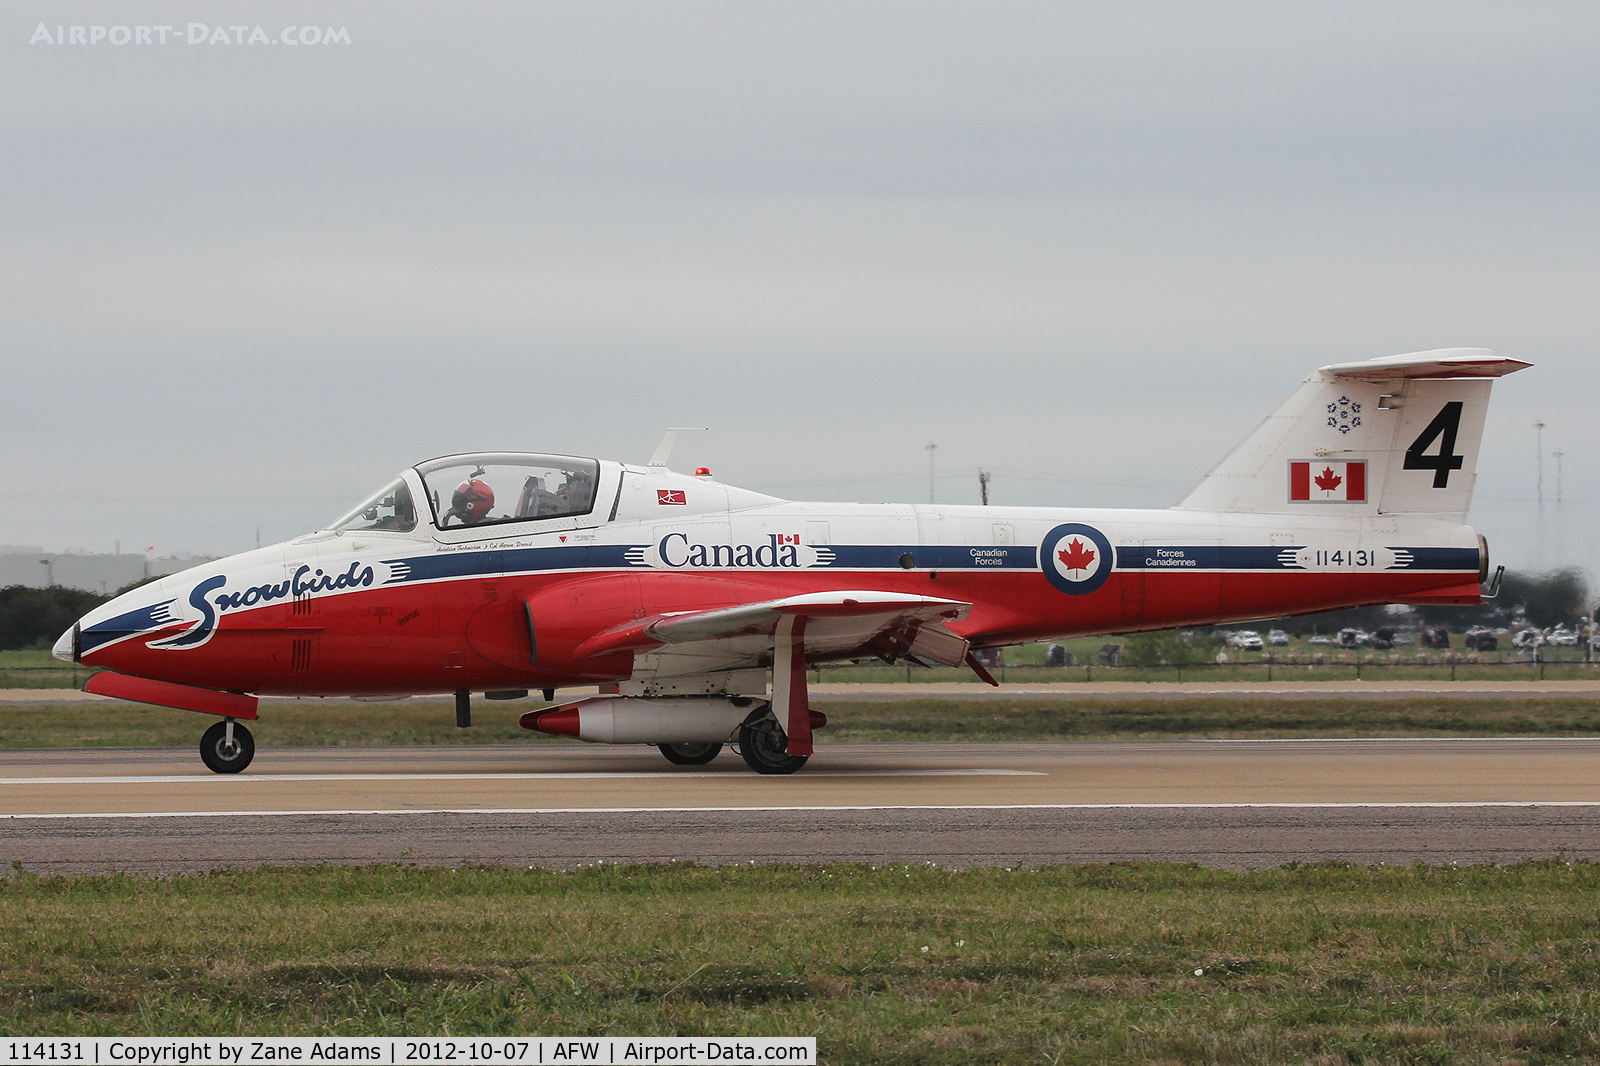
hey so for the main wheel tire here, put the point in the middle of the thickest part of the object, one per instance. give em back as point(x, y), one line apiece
point(224, 758)
point(765, 748)
point(693, 753)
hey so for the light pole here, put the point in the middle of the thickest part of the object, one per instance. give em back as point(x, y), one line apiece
point(49, 580)
point(1538, 459)
point(1538, 452)
point(930, 450)
point(983, 485)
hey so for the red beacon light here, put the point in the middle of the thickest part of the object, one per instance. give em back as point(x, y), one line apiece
point(702, 472)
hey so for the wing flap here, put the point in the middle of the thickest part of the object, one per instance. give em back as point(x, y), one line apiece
point(937, 644)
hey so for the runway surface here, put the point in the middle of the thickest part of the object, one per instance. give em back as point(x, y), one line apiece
point(1222, 803)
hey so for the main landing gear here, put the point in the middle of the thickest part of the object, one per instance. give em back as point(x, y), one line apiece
point(691, 753)
point(765, 747)
point(762, 744)
point(227, 747)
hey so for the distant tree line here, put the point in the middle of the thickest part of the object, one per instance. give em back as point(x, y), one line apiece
point(1557, 597)
point(35, 618)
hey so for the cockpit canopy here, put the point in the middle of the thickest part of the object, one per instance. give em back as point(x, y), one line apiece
point(498, 487)
point(389, 508)
point(485, 489)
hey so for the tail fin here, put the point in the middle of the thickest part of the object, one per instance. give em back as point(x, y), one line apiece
point(1392, 435)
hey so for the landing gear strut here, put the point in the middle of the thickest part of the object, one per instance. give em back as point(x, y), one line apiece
point(227, 747)
point(765, 747)
point(691, 753)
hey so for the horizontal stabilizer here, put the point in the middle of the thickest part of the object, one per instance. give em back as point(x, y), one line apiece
point(1439, 363)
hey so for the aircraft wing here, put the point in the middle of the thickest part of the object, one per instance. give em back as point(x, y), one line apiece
point(784, 633)
point(837, 624)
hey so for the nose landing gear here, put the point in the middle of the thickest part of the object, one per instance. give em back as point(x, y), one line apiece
point(227, 747)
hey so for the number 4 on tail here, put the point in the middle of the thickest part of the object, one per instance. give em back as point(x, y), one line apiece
point(1443, 428)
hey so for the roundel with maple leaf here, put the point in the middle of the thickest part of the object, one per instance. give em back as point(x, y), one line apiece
point(1075, 558)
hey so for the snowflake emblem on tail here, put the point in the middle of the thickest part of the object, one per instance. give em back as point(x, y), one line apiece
point(1344, 415)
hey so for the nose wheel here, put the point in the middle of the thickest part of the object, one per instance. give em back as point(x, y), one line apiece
point(227, 747)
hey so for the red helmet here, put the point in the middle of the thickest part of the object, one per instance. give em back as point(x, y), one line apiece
point(472, 499)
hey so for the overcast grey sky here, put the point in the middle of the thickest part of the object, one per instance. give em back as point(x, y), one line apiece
point(1086, 246)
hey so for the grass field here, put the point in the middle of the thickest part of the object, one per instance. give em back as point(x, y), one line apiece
point(37, 668)
point(1094, 718)
point(1091, 964)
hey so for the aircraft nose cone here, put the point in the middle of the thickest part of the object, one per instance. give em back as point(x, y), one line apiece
point(66, 648)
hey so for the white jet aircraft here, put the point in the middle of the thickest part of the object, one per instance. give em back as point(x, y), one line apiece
point(507, 572)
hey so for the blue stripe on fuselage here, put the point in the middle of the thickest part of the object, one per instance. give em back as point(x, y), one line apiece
point(474, 563)
point(1204, 557)
point(1439, 559)
point(1273, 557)
point(934, 557)
point(510, 561)
point(143, 620)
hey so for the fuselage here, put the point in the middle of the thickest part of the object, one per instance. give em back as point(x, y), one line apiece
point(442, 607)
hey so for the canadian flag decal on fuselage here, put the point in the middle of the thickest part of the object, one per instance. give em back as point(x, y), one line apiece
point(1324, 481)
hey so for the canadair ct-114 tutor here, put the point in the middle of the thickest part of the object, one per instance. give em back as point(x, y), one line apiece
point(505, 572)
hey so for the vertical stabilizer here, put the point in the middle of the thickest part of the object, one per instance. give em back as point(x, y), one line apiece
point(1387, 436)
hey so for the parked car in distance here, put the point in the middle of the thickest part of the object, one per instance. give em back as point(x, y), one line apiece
point(1320, 639)
point(1277, 638)
point(1562, 637)
point(1381, 638)
point(1353, 638)
point(1481, 638)
point(1245, 640)
point(1436, 637)
point(1528, 638)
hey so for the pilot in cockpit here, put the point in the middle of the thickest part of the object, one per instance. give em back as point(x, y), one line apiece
point(470, 502)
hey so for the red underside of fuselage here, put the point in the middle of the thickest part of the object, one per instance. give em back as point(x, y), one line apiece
point(473, 633)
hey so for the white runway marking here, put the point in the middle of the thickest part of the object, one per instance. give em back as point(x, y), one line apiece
point(1391, 740)
point(782, 810)
point(576, 775)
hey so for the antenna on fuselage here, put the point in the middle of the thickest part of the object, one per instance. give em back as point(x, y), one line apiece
point(664, 449)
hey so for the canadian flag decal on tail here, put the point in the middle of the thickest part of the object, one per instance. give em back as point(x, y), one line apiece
point(1328, 482)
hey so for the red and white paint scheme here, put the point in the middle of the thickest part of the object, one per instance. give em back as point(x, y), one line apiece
point(505, 573)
